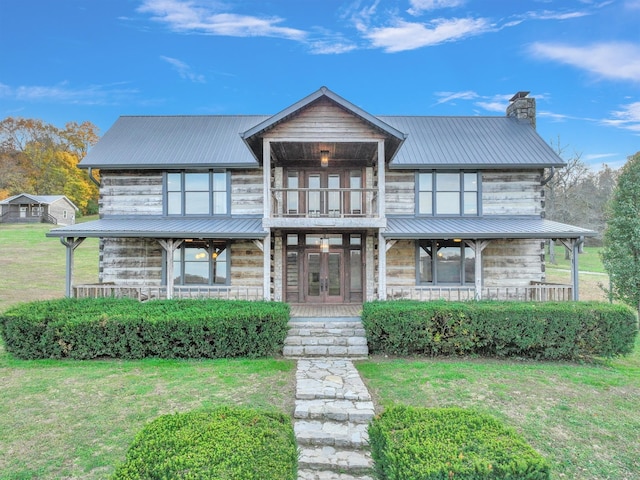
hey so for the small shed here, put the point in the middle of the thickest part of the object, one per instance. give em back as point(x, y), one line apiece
point(27, 208)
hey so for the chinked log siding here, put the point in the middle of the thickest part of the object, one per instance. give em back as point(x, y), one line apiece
point(247, 192)
point(400, 193)
point(246, 264)
point(131, 261)
point(511, 193)
point(130, 193)
point(401, 264)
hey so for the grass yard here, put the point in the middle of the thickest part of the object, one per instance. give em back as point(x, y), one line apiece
point(75, 419)
point(583, 418)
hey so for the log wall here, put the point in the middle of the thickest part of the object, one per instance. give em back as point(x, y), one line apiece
point(246, 264)
point(247, 192)
point(130, 193)
point(131, 261)
point(511, 193)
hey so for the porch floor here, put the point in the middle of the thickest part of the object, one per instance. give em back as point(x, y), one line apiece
point(325, 311)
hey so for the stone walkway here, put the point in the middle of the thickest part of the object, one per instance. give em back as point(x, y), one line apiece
point(333, 406)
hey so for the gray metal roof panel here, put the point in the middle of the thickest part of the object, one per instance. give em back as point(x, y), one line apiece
point(182, 227)
point(174, 142)
point(470, 142)
point(480, 227)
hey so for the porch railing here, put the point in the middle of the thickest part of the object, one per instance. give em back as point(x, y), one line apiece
point(147, 292)
point(324, 202)
point(536, 292)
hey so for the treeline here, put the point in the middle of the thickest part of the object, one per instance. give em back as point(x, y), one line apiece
point(579, 196)
point(41, 159)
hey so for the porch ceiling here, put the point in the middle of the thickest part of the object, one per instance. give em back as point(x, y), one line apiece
point(300, 153)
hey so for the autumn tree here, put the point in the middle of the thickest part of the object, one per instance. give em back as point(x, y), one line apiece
point(39, 158)
point(621, 252)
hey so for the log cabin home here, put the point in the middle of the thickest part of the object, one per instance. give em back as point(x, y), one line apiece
point(324, 203)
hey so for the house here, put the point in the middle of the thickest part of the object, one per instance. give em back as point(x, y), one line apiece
point(324, 203)
point(26, 208)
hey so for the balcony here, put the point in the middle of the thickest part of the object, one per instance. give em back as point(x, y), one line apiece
point(324, 207)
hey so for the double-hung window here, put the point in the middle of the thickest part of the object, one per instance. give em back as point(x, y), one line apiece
point(197, 193)
point(447, 193)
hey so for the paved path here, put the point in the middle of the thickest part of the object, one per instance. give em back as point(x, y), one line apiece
point(333, 406)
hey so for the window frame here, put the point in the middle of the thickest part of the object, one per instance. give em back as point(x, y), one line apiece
point(210, 247)
point(432, 244)
point(183, 193)
point(433, 190)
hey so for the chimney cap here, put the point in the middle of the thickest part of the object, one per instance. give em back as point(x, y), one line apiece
point(519, 95)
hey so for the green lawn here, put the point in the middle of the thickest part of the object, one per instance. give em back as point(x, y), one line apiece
point(582, 417)
point(588, 261)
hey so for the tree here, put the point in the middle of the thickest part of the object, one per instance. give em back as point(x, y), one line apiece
point(39, 158)
point(621, 252)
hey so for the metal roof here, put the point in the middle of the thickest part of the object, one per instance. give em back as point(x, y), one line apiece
point(43, 199)
point(480, 227)
point(470, 142)
point(174, 142)
point(179, 227)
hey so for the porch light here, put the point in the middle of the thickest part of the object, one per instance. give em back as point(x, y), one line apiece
point(324, 158)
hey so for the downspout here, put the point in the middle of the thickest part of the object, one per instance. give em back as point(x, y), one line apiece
point(96, 182)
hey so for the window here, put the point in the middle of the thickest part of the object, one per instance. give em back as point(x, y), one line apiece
point(445, 262)
point(201, 262)
point(196, 193)
point(447, 193)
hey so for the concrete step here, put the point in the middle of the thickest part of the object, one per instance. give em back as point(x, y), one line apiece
point(324, 340)
point(334, 434)
point(337, 410)
point(328, 458)
point(344, 330)
point(328, 475)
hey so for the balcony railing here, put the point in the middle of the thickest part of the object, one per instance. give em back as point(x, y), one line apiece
point(325, 202)
point(536, 292)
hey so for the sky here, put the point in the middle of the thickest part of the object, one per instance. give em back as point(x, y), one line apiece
point(79, 60)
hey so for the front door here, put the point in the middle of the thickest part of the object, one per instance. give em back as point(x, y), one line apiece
point(324, 277)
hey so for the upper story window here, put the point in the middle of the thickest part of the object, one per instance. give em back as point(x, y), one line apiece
point(447, 193)
point(197, 193)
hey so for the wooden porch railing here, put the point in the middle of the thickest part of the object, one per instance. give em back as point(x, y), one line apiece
point(536, 292)
point(324, 202)
point(147, 292)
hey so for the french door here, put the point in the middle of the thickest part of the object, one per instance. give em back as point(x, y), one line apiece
point(324, 277)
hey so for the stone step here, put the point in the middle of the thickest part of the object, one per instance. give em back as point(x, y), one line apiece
point(338, 410)
point(334, 434)
point(336, 460)
point(303, 351)
point(316, 330)
point(328, 475)
point(324, 340)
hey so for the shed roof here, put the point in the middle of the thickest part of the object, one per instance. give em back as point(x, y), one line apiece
point(179, 227)
point(480, 228)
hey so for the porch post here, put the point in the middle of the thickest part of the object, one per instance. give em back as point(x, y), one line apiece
point(71, 245)
point(382, 267)
point(266, 255)
point(573, 245)
point(170, 245)
point(266, 172)
point(478, 246)
point(381, 180)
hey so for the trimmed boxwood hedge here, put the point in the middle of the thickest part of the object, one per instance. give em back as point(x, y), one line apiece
point(125, 328)
point(562, 330)
point(229, 443)
point(450, 443)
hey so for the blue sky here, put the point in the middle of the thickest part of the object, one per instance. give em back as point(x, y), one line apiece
point(76, 60)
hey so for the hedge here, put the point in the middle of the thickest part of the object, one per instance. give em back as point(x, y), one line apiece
point(562, 330)
point(125, 328)
point(227, 443)
point(450, 443)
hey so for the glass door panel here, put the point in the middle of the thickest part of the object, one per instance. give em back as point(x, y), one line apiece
point(334, 275)
point(313, 275)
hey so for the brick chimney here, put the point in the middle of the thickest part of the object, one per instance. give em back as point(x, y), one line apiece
point(523, 107)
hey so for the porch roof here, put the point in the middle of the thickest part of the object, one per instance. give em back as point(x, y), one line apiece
point(480, 227)
point(244, 227)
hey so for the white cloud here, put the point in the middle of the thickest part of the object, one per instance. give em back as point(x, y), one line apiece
point(614, 60)
point(409, 36)
point(183, 70)
point(446, 97)
point(190, 17)
point(628, 118)
point(64, 93)
point(419, 6)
